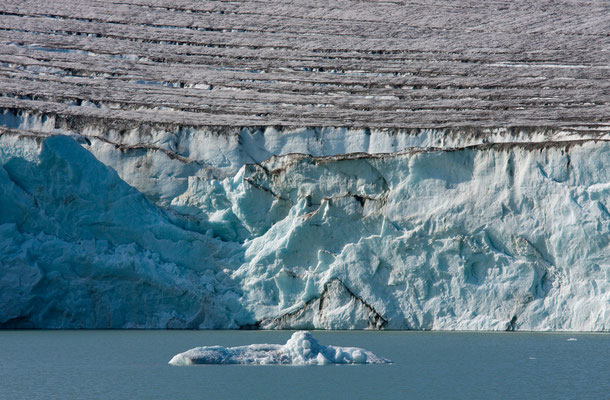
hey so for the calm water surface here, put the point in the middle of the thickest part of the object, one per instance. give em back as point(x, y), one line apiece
point(427, 365)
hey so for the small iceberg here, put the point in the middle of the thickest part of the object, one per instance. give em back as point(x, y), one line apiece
point(300, 349)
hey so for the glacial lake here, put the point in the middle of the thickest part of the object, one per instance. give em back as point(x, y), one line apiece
point(427, 365)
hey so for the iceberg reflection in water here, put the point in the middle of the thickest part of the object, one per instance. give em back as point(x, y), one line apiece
point(300, 349)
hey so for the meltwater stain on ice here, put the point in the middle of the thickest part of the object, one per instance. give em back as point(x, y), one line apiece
point(300, 349)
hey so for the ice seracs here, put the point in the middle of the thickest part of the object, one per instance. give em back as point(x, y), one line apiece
point(300, 349)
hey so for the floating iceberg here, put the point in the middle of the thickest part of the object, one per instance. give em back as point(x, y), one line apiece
point(300, 349)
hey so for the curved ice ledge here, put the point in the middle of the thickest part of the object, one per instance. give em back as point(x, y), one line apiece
point(300, 349)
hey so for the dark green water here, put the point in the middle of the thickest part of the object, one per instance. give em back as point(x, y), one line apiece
point(427, 365)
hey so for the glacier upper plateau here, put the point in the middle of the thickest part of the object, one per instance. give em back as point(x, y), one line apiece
point(307, 228)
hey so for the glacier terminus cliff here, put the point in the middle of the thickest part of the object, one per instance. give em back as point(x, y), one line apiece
point(182, 164)
point(486, 236)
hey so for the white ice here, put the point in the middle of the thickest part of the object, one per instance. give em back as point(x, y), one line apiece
point(300, 349)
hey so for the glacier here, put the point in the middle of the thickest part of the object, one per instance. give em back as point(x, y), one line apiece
point(307, 229)
point(300, 349)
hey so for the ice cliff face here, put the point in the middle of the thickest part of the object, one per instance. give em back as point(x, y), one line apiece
point(158, 159)
point(196, 231)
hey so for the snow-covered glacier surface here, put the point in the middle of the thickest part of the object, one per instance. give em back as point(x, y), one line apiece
point(491, 236)
point(300, 349)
